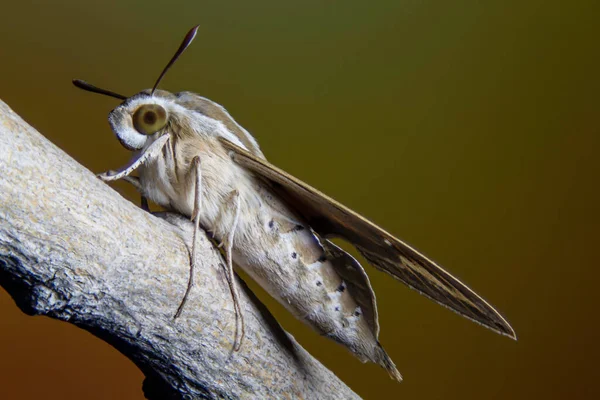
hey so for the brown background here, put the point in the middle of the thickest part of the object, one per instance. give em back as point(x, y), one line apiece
point(469, 129)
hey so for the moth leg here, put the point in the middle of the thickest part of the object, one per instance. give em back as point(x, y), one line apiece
point(235, 196)
point(196, 171)
point(152, 151)
point(135, 181)
point(144, 203)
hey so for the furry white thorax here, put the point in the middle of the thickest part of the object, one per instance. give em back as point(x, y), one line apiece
point(220, 175)
point(189, 96)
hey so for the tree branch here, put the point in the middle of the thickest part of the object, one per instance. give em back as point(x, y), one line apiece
point(71, 248)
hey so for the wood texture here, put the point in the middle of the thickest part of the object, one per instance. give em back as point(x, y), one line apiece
point(73, 249)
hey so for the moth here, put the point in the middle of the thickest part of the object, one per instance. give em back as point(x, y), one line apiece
point(192, 157)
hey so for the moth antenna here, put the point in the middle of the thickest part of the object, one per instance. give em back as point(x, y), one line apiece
point(91, 88)
point(187, 40)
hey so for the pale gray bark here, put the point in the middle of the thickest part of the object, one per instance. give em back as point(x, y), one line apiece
point(73, 249)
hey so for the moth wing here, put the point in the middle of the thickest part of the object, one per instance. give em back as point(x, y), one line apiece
point(356, 280)
point(385, 252)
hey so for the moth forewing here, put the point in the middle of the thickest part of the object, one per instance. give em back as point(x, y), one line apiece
point(387, 253)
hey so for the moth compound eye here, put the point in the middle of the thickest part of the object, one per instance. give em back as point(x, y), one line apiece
point(149, 119)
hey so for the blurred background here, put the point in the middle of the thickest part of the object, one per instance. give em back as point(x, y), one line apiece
point(467, 128)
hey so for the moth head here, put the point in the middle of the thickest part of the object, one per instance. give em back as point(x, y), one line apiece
point(144, 115)
point(141, 117)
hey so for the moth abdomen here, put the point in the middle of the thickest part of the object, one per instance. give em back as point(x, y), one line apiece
point(305, 275)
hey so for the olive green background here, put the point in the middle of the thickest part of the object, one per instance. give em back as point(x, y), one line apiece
point(467, 128)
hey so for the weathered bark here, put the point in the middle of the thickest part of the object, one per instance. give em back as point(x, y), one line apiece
point(71, 248)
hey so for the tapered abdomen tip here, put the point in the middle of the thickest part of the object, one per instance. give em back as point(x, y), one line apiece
point(386, 362)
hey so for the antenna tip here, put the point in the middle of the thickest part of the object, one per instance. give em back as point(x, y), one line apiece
point(192, 33)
